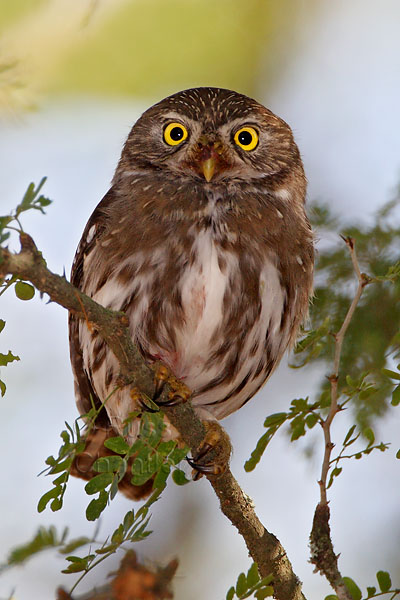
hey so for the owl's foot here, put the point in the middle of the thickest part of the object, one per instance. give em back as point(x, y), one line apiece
point(213, 454)
point(140, 400)
point(179, 392)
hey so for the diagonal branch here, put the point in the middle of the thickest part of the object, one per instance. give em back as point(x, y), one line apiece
point(263, 546)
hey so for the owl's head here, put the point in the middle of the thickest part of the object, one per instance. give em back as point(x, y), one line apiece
point(211, 135)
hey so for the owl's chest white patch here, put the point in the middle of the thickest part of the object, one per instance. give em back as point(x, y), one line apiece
point(203, 286)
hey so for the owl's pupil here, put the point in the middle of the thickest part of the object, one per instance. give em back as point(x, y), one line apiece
point(176, 134)
point(245, 138)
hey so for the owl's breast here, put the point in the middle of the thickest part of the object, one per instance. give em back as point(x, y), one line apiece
point(218, 327)
point(212, 312)
point(203, 286)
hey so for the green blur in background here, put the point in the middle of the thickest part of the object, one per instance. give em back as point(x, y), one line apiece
point(143, 48)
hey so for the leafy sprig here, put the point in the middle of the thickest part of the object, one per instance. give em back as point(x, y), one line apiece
point(367, 348)
point(5, 359)
point(149, 457)
point(251, 585)
point(385, 591)
point(32, 200)
point(43, 539)
point(302, 415)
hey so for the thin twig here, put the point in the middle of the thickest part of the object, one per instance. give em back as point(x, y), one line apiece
point(322, 553)
point(363, 280)
point(263, 546)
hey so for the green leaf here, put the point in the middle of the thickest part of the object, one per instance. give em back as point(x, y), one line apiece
point(311, 420)
point(113, 491)
point(253, 575)
point(43, 201)
point(160, 480)
point(369, 434)
point(241, 585)
point(128, 520)
point(44, 538)
point(298, 429)
point(230, 593)
point(391, 374)
point(331, 597)
point(107, 549)
point(396, 396)
point(56, 504)
point(98, 483)
point(371, 591)
point(118, 535)
point(24, 291)
point(45, 499)
point(334, 473)
point(353, 588)
point(4, 221)
point(2, 388)
point(258, 451)
point(179, 477)
point(7, 358)
point(384, 581)
point(117, 444)
point(96, 506)
point(398, 453)
point(74, 544)
point(177, 455)
point(62, 466)
point(165, 448)
point(2, 325)
point(275, 419)
point(348, 435)
point(108, 464)
point(75, 567)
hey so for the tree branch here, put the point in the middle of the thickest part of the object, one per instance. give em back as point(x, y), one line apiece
point(264, 548)
point(322, 553)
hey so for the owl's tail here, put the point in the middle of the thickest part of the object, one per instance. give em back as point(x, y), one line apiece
point(82, 466)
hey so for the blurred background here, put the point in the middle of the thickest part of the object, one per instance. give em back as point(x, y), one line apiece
point(74, 76)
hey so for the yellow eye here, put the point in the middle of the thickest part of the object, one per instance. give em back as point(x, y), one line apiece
point(246, 138)
point(175, 133)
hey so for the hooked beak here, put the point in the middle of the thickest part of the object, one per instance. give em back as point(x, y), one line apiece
point(208, 168)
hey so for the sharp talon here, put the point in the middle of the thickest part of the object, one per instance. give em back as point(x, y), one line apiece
point(204, 450)
point(137, 397)
point(160, 378)
point(147, 408)
point(212, 456)
point(173, 401)
point(210, 469)
point(179, 391)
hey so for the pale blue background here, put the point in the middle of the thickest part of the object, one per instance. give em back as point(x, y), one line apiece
point(340, 93)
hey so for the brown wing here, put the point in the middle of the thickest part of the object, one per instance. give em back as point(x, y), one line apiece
point(84, 391)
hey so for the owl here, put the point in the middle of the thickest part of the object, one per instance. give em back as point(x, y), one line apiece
point(203, 241)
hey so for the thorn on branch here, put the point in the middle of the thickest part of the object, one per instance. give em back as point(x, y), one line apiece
point(365, 279)
point(27, 243)
point(349, 241)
